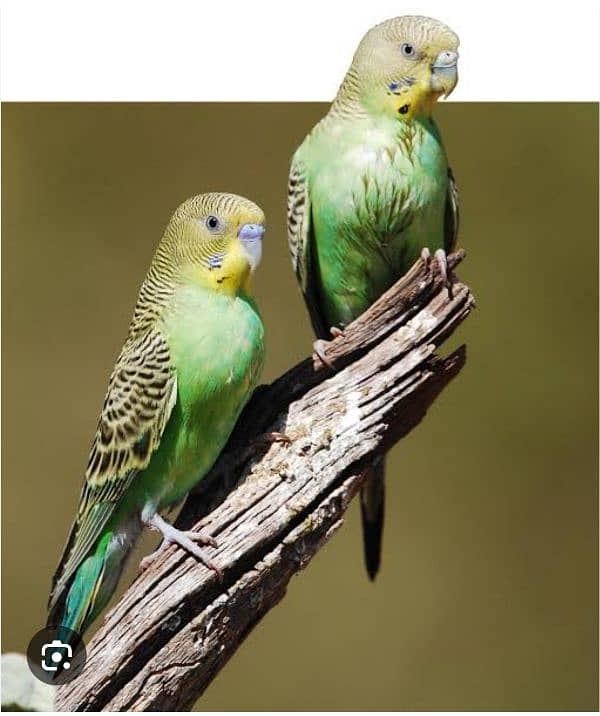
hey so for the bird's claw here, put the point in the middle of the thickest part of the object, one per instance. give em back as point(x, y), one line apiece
point(201, 538)
point(319, 354)
point(442, 261)
point(320, 345)
point(147, 561)
point(187, 539)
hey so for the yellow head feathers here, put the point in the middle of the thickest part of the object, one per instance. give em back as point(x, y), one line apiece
point(215, 240)
point(401, 67)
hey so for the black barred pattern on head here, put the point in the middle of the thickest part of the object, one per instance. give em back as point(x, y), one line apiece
point(212, 203)
point(417, 29)
point(163, 276)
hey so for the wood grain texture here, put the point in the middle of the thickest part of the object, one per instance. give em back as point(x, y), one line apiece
point(272, 505)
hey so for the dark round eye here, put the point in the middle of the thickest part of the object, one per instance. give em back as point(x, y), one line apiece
point(407, 49)
point(212, 223)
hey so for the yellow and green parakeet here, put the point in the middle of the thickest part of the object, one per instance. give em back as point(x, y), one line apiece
point(370, 190)
point(193, 355)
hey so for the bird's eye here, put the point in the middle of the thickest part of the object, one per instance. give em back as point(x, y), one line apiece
point(407, 49)
point(212, 223)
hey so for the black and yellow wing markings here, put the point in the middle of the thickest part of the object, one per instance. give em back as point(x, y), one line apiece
point(142, 391)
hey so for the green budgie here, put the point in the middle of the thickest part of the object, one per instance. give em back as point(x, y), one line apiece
point(370, 191)
point(193, 355)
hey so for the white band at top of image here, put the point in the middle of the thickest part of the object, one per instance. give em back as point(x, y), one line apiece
point(264, 50)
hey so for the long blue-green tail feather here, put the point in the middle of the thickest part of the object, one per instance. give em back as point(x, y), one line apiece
point(85, 588)
point(91, 587)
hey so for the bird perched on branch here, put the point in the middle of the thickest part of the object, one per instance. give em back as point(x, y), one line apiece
point(370, 191)
point(192, 357)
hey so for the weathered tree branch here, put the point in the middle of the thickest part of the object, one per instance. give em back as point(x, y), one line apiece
point(272, 506)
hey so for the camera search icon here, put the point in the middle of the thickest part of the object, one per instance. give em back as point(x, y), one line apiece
point(56, 655)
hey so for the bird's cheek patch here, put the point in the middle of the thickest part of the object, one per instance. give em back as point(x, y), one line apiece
point(401, 86)
point(400, 95)
point(215, 261)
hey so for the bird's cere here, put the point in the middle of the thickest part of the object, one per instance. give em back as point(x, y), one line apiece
point(445, 60)
point(251, 232)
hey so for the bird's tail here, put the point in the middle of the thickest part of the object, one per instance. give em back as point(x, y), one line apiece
point(91, 587)
point(372, 507)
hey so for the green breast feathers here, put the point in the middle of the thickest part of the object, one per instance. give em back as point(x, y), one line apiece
point(377, 190)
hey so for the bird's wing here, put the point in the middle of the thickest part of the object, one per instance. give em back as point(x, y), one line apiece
point(141, 394)
point(451, 215)
point(301, 243)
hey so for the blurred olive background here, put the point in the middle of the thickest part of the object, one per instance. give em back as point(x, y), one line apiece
point(488, 594)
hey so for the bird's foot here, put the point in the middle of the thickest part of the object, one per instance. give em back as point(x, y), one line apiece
point(186, 539)
point(320, 345)
point(442, 261)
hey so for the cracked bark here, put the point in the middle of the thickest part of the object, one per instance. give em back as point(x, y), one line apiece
point(273, 506)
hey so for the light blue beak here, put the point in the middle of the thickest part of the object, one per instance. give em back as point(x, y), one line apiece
point(444, 75)
point(251, 237)
point(251, 232)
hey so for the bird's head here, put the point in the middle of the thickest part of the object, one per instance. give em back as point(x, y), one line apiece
point(215, 240)
point(403, 65)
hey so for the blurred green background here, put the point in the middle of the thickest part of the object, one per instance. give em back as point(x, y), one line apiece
point(488, 594)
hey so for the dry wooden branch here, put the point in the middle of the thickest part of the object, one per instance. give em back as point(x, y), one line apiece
point(272, 506)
